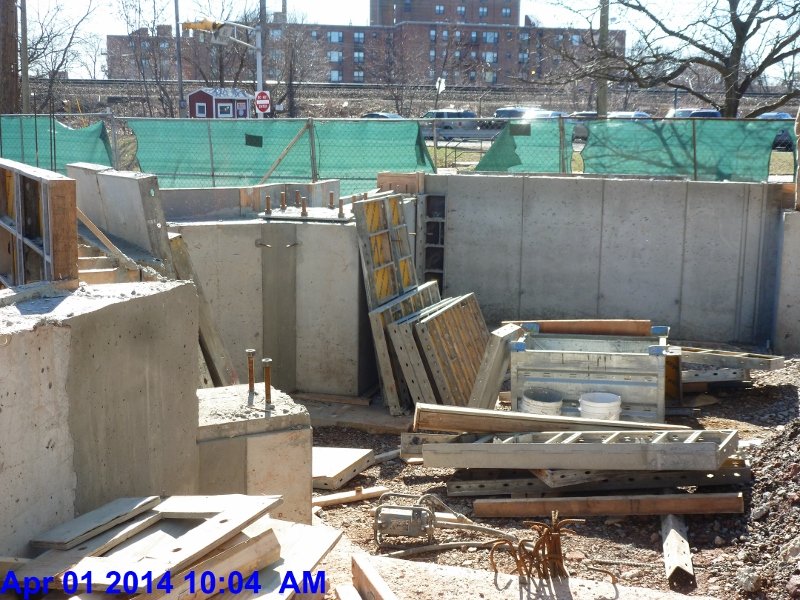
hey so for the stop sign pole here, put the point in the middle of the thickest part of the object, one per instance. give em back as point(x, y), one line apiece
point(262, 102)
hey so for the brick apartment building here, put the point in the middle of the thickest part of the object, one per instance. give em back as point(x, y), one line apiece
point(465, 42)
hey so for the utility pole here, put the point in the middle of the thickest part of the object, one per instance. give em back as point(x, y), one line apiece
point(179, 42)
point(602, 80)
point(9, 59)
point(25, 88)
point(262, 21)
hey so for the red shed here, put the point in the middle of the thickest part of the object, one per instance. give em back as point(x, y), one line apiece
point(221, 103)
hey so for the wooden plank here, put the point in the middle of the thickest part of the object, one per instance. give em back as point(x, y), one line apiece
point(647, 504)
point(334, 398)
point(179, 553)
point(677, 553)
point(331, 468)
point(351, 496)
point(219, 362)
point(347, 592)
point(732, 360)
point(631, 451)
point(302, 549)
point(74, 532)
point(253, 549)
point(457, 419)
point(633, 327)
point(368, 581)
point(493, 367)
point(63, 228)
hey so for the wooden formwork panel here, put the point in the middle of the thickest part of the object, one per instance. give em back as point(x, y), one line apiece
point(453, 341)
point(395, 396)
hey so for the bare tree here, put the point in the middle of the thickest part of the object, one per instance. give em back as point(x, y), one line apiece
point(735, 43)
point(151, 47)
point(294, 56)
point(54, 42)
point(90, 56)
point(399, 64)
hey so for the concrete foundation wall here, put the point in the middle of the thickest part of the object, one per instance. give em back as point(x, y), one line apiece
point(700, 257)
point(293, 290)
point(37, 477)
point(787, 327)
point(97, 401)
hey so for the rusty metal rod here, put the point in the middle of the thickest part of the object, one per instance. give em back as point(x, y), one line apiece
point(341, 208)
point(297, 198)
point(283, 200)
point(304, 207)
point(251, 371)
point(267, 362)
point(331, 204)
point(268, 209)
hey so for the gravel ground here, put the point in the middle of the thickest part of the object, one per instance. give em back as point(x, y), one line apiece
point(754, 555)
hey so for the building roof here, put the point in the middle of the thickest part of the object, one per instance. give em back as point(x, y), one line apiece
point(224, 93)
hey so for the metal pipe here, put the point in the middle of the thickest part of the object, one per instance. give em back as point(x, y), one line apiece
point(283, 200)
point(303, 207)
point(178, 41)
point(330, 200)
point(297, 198)
point(267, 362)
point(268, 209)
point(251, 370)
point(341, 208)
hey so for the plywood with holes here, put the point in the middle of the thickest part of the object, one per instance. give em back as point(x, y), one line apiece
point(390, 373)
point(415, 374)
point(493, 367)
point(331, 468)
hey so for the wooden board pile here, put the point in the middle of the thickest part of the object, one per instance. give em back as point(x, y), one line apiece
point(194, 546)
point(428, 349)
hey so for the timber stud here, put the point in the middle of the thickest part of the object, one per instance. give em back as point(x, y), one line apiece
point(268, 209)
point(297, 198)
point(251, 371)
point(283, 200)
point(267, 362)
point(304, 207)
point(330, 200)
point(341, 208)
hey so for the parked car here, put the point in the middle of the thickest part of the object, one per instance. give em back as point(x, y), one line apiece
point(450, 123)
point(784, 140)
point(538, 113)
point(693, 113)
point(511, 112)
point(382, 115)
point(628, 114)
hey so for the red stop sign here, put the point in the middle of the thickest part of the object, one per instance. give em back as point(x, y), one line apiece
point(263, 101)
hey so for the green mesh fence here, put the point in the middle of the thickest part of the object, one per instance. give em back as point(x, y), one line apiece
point(214, 153)
point(701, 149)
point(537, 146)
point(46, 143)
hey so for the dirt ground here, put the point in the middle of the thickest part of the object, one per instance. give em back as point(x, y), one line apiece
point(756, 551)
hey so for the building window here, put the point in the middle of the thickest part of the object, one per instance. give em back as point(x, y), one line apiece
point(483, 11)
point(523, 58)
point(576, 39)
point(490, 37)
point(457, 54)
point(225, 110)
point(559, 38)
point(461, 10)
point(314, 35)
point(473, 55)
point(432, 34)
point(490, 77)
point(506, 12)
point(439, 9)
point(472, 75)
point(334, 56)
point(358, 57)
point(458, 36)
point(473, 36)
point(432, 55)
point(358, 37)
point(335, 75)
point(445, 35)
point(275, 34)
point(489, 57)
point(524, 36)
point(200, 109)
point(407, 5)
point(358, 76)
point(335, 37)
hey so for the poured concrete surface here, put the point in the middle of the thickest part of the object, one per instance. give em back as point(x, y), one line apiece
point(98, 388)
point(787, 328)
point(250, 447)
point(700, 257)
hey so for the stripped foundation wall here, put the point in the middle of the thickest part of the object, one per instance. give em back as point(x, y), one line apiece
point(97, 401)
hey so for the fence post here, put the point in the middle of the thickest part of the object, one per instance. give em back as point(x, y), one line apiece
point(114, 143)
point(211, 154)
point(694, 146)
point(21, 139)
point(435, 146)
point(561, 149)
point(313, 145)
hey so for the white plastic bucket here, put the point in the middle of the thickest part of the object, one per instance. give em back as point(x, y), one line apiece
point(600, 405)
point(541, 401)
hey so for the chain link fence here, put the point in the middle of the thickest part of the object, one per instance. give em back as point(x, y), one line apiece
point(220, 152)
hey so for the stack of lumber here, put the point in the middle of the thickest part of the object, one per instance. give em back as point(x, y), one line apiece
point(428, 349)
point(527, 455)
point(160, 548)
